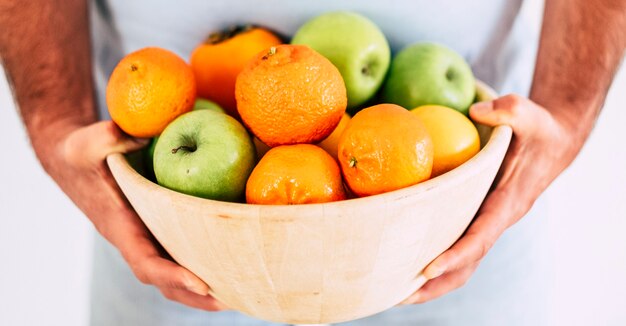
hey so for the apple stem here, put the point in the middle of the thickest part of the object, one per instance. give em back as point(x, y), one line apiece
point(185, 148)
point(365, 70)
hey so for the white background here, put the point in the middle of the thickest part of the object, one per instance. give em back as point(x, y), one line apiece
point(45, 242)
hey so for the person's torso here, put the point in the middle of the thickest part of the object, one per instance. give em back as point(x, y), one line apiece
point(488, 33)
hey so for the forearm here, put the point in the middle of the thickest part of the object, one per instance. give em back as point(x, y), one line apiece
point(45, 51)
point(582, 43)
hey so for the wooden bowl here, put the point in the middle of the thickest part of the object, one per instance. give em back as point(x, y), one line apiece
point(317, 263)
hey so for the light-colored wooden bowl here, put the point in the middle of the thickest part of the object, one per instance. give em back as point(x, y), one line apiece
point(318, 263)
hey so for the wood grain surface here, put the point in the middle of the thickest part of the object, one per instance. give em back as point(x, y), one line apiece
point(318, 263)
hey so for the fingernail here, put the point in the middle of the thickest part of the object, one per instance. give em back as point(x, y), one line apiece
point(196, 290)
point(434, 272)
point(413, 298)
point(481, 107)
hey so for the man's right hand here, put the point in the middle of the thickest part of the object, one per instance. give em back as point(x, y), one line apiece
point(78, 166)
point(55, 97)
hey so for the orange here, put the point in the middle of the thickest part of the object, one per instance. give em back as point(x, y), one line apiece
point(295, 174)
point(290, 94)
point(217, 62)
point(454, 136)
point(148, 89)
point(384, 148)
point(331, 143)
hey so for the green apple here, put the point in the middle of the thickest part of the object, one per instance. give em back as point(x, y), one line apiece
point(428, 73)
point(200, 104)
point(204, 104)
point(205, 154)
point(355, 45)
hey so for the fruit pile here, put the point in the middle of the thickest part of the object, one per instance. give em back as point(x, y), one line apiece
point(251, 117)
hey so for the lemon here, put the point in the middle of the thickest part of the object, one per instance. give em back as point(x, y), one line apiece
point(454, 136)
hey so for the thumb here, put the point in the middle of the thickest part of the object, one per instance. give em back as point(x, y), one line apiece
point(94, 142)
point(111, 139)
point(521, 114)
point(501, 111)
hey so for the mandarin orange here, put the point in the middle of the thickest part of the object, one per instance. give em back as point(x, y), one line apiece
point(295, 174)
point(148, 89)
point(384, 148)
point(290, 94)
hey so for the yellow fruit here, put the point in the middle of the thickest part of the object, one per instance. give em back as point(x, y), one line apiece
point(331, 143)
point(454, 136)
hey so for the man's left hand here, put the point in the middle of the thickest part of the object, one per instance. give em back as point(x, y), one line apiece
point(541, 148)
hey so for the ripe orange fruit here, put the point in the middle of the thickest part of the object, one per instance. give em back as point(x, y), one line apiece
point(454, 136)
point(217, 62)
point(148, 89)
point(331, 143)
point(290, 94)
point(295, 174)
point(384, 148)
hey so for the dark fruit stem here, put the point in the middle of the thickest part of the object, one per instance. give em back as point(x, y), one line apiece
point(227, 34)
point(185, 148)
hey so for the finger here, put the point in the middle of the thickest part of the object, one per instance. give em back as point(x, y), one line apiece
point(204, 302)
point(441, 285)
point(111, 139)
point(500, 210)
point(125, 229)
point(512, 110)
point(94, 142)
point(502, 110)
point(166, 274)
point(470, 249)
point(139, 248)
point(477, 240)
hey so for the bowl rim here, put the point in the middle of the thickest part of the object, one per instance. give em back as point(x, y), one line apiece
point(500, 137)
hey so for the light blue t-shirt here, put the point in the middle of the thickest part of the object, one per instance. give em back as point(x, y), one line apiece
point(505, 290)
point(481, 31)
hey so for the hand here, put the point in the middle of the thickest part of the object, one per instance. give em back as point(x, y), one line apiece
point(541, 148)
point(78, 165)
